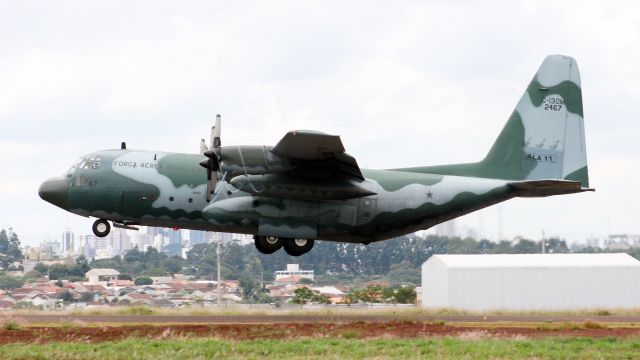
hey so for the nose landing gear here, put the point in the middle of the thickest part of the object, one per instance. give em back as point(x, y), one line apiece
point(101, 228)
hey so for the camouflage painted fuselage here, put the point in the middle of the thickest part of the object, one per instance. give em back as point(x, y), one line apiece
point(168, 189)
point(308, 187)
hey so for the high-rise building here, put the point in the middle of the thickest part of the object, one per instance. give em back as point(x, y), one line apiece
point(174, 236)
point(66, 247)
point(197, 237)
point(50, 250)
point(158, 242)
point(447, 229)
point(153, 231)
point(87, 246)
point(120, 242)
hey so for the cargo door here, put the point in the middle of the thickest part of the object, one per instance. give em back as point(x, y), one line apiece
point(131, 204)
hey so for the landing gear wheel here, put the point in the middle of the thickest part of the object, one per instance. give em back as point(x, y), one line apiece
point(267, 244)
point(297, 247)
point(101, 228)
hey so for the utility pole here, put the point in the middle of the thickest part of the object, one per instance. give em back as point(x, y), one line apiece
point(500, 235)
point(218, 261)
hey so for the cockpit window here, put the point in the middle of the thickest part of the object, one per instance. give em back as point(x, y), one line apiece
point(90, 162)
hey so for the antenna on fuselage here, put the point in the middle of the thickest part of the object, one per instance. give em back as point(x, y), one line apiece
point(123, 145)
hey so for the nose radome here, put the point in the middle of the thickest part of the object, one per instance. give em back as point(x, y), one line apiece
point(55, 191)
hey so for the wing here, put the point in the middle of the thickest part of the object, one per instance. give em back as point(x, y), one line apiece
point(316, 154)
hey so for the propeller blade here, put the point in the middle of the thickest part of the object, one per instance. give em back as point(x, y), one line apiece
point(211, 186)
point(216, 143)
point(203, 146)
point(212, 164)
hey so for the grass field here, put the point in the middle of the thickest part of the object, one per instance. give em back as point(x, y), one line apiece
point(440, 348)
point(258, 310)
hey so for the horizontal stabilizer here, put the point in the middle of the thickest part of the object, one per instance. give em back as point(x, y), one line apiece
point(541, 188)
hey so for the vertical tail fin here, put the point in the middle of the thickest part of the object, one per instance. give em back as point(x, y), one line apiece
point(544, 137)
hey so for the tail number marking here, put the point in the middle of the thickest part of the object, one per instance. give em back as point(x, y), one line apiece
point(553, 103)
point(540, 157)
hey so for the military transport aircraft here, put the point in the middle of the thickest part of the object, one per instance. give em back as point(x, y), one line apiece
point(307, 187)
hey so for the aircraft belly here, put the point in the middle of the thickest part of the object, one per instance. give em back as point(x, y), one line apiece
point(281, 217)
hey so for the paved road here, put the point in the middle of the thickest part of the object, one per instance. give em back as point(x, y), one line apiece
point(262, 319)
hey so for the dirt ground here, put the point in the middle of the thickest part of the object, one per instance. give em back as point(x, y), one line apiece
point(78, 332)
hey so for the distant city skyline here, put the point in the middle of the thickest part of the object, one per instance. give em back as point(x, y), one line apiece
point(119, 241)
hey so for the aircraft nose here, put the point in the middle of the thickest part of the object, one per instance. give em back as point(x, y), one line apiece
point(55, 191)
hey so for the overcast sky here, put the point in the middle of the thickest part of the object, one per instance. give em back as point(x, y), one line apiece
point(404, 83)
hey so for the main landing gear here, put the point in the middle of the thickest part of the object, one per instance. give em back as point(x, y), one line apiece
point(101, 228)
point(267, 244)
point(293, 247)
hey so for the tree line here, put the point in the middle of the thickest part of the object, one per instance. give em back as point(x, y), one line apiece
point(10, 254)
point(396, 261)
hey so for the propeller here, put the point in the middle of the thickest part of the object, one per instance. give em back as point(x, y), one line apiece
point(212, 163)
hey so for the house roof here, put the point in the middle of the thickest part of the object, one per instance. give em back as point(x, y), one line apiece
point(139, 302)
point(48, 288)
point(140, 296)
point(42, 296)
point(25, 291)
point(536, 260)
point(289, 279)
point(162, 302)
point(80, 288)
point(95, 288)
point(192, 286)
point(328, 290)
point(73, 285)
point(103, 272)
point(124, 283)
point(162, 286)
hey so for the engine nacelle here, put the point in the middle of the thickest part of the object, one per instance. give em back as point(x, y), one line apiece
point(251, 160)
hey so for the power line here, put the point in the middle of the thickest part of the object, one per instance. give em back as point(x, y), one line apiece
point(407, 112)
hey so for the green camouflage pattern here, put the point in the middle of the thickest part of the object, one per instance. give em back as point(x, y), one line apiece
point(261, 193)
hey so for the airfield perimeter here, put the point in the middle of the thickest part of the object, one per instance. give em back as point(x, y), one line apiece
point(44, 328)
point(154, 334)
point(329, 318)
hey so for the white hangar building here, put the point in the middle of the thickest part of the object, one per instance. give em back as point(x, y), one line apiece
point(526, 282)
